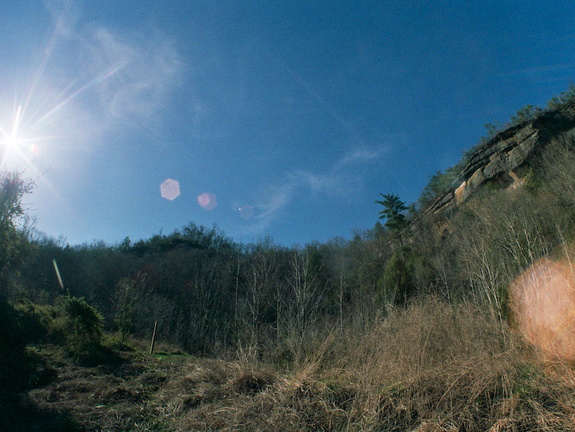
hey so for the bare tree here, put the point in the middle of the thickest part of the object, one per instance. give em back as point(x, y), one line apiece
point(307, 294)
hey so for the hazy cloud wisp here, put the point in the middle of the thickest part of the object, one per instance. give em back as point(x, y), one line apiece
point(343, 179)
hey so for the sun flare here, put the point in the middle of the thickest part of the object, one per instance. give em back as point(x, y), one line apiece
point(13, 143)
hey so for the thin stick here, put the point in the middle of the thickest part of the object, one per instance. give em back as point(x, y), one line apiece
point(153, 337)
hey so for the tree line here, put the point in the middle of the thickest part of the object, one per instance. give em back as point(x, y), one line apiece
point(211, 295)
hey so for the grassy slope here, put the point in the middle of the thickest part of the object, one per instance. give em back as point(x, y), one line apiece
point(431, 367)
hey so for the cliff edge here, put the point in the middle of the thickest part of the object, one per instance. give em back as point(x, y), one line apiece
point(500, 157)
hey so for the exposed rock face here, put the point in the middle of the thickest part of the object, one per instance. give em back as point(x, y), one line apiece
point(504, 153)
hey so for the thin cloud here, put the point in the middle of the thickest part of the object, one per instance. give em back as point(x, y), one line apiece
point(96, 81)
point(114, 77)
point(362, 155)
point(337, 183)
point(316, 183)
point(139, 75)
point(268, 209)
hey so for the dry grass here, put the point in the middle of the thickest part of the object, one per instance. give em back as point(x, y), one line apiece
point(432, 366)
point(436, 366)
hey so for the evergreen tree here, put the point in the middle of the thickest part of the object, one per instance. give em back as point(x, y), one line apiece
point(392, 212)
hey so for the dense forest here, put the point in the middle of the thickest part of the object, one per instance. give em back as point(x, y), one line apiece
point(416, 308)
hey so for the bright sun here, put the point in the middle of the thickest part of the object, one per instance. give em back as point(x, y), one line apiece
point(12, 143)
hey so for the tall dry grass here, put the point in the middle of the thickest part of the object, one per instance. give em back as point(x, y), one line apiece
point(438, 366)
point(430, 366)
point(432, 363)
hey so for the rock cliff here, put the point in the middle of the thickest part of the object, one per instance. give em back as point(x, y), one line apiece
point(499, 158)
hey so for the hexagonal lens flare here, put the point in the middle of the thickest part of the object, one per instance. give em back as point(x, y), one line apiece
point(207, 201)
point(170, 189)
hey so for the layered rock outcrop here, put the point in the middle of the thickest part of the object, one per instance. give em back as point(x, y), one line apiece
point(501, 156)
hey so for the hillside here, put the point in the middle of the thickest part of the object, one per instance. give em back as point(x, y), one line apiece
point(456, 317)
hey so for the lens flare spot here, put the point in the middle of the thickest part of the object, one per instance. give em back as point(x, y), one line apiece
point(35, 150)
point(207, 201)
point(170, 189)
point(543, 302)
point(246, 212)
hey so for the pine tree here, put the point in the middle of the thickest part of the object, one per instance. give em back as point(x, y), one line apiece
point(392, 212)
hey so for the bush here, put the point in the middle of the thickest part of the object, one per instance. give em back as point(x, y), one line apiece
point(80, 326)
point(406, 274)
point(23, 323)
point(525, 113)
point(566, 97)
point(20, 325)
point(11, 336)
point(439, 183)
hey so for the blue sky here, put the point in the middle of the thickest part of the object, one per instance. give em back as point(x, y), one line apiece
point(276, 118)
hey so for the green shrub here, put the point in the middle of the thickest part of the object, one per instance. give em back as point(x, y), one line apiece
point(566, 97)
point(406, 274)
point(80, 327)
point(19, 367)
point(439, 183)
point(23, 323)
point(525, 113)
point(11, 335)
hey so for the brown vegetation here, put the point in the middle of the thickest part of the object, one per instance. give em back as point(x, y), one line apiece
point(406, 327)
point(432, 366)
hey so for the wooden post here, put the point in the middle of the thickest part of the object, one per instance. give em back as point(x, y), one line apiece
point(153, 337)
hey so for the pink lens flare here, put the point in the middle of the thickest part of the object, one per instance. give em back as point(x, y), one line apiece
point(543, 303)
point(207, 201)
point(170, 189)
